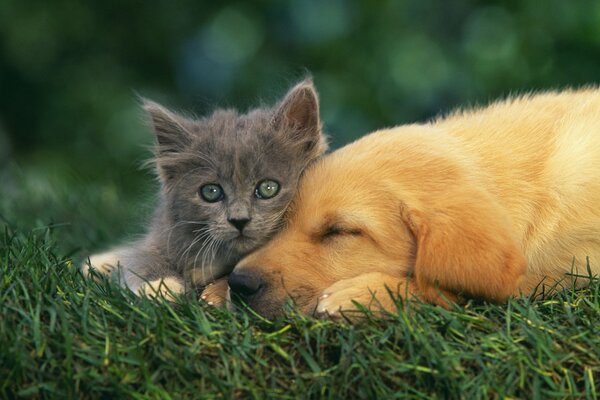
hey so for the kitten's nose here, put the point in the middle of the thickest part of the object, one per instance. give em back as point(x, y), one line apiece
point(244, 285)
point(239, 223)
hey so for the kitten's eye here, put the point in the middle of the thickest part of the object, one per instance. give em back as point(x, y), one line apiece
point(267, 189)
point(211, 193)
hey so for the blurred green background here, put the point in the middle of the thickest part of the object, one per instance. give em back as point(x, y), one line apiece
point(72, 137)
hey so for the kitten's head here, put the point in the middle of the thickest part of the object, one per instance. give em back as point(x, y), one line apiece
point(230, 175)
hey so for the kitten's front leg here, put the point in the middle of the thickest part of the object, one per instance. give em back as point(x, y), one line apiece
point(138, 268)
point(217, 293)
point(104, 263)
point(110, 262)
point(164, 287)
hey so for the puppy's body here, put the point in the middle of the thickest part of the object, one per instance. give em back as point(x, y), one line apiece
point(485, 203)
point(540, 157)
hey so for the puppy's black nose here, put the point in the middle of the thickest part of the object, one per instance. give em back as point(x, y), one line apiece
point(244, 285)
point(239, 223)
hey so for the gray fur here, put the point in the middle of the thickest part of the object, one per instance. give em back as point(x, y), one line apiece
point(190, 239)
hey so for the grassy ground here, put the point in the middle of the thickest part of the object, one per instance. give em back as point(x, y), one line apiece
point(64, 337)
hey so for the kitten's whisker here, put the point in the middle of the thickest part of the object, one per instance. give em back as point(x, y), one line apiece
point(207, 241)
point(212, 252)
point(200, 238)
point(218, 246)
point(172, 229)
point(197, 239)
point(180, 223)
point(204, 251)
point(212, 264)
point(186, 250)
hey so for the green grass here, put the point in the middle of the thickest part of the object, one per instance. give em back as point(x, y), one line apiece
point(62, 336)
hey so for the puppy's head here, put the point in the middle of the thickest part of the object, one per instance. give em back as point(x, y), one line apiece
point(343, 222)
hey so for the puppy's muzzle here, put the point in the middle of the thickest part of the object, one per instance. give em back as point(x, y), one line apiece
point(245, 287)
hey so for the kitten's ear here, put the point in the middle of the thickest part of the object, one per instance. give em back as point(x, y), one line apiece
point(297, 117)
point(171, 133)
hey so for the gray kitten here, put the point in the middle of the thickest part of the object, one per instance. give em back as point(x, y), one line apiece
point(226, 181)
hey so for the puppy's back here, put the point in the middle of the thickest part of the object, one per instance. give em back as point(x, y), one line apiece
point(541, 156)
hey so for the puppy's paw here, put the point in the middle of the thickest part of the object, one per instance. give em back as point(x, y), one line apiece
point(216, 293)
point(103, 263)
point(374, 291)
point(167, 288)
point(342, 296)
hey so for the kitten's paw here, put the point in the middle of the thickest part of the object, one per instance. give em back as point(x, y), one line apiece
point(165, 287)
point(103, 263)
point(216, 293)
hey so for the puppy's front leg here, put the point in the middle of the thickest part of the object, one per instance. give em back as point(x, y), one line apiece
point(374, 290)
point(217, 293)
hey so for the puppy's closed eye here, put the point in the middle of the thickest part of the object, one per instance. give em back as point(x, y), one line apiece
point(333, 231)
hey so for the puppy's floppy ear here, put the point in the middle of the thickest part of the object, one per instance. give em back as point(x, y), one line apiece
point(465, 246)
point(172, 137)
point(297, 118)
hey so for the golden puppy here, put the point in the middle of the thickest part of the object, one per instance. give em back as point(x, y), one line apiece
point(483, 204)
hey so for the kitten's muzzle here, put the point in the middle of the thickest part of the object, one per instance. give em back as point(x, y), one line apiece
point(239, 223)
point(245, 286)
